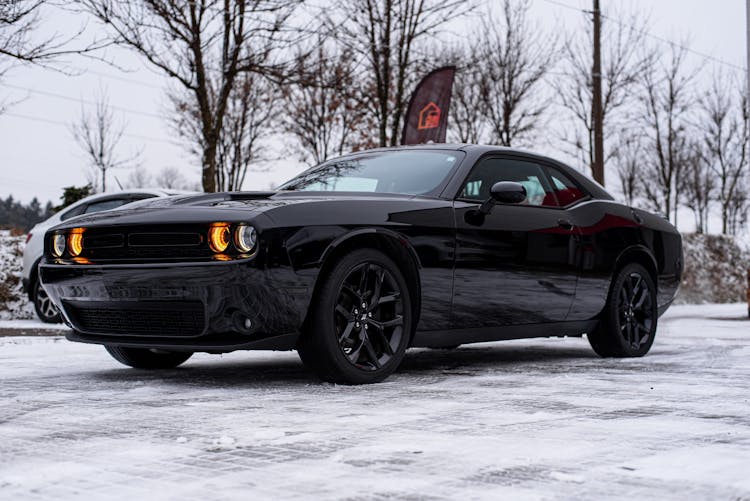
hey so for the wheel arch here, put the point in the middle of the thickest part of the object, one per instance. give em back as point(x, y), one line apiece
point(392, 244)
point(33, 279)
point(638, 254)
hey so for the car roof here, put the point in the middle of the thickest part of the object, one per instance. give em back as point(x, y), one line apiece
point(477, 150)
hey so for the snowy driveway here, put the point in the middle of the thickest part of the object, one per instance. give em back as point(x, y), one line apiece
point(528, 419)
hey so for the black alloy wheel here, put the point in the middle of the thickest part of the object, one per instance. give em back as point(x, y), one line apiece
point(360, 324)
point(369, 316)
point(146, 358)
point(628, 324)
point(44, 307)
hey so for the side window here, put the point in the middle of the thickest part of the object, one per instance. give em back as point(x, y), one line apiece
point(491, 170)
point(105, 205)
point(566, 190)
point(73, 212)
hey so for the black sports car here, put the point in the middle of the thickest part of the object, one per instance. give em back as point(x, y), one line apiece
point(357, 259)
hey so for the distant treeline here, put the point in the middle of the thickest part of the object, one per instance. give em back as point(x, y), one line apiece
point(14, 214)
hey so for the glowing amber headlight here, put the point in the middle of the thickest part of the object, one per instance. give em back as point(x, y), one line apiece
point(75, 241)
point(218, 237)
point(58, 245)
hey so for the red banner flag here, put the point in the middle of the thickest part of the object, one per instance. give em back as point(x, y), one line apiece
point(427, 115)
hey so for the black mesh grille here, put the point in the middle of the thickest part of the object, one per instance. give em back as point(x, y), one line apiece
point(142, 318)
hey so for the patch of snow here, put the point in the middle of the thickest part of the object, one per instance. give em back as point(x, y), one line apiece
point(14, 303)
point(525, 419)
point(31, 325)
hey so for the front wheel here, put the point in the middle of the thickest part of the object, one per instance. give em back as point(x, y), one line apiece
point(628, 323)
point(360, 320)
point(144, 358)
point(44, 307)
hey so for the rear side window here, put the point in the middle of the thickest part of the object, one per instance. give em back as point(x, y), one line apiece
point(105, 205)
point(566, 190)
point(73, 212)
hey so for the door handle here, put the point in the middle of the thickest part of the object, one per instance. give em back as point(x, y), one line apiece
point(565, 224)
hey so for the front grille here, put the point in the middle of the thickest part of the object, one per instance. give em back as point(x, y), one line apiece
point(138, 318)
point(152, 242)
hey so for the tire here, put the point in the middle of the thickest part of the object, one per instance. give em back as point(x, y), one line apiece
point(342, 342)
point(144, 358)
point(45, 309)
point(627, 326)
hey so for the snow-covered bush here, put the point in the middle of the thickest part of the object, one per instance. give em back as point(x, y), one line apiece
point(14, 304)
point(715, 270)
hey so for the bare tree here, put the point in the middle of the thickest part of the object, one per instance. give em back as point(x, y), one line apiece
point(628, 159)
point(385, 35)
point(203, 46)
point(468, 121)
point(251, 111)
point(666, 103)
point(515, 57)
point(172, 178)
point(138, 178)
point(99, 135)
point(724, 122)
point(321, 105)
point(20, 40)
point(697, 183)
point(624, 61)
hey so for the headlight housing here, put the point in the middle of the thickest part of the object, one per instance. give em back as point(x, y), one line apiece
point(58, 244)
point(75, 242)
point(245, 238)
point(219, 237)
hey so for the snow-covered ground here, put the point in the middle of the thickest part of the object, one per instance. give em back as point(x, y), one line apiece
point(540, 419)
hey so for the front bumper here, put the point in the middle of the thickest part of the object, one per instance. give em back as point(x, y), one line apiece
point(220, 306)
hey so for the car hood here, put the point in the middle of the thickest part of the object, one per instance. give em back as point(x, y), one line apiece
point(229, 207)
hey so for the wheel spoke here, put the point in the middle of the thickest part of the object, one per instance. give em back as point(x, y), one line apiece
point(383, 341)
point(354, 354)
point(348, 289)
point(388, 299)
point(636, 289)
point(346, 332)
point(343, 312)
point(399, 320)
point(362, 290)
point(375, 298)
point(624, 299)
point(370, 353)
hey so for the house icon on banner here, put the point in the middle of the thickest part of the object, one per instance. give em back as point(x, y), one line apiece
point(429, 117)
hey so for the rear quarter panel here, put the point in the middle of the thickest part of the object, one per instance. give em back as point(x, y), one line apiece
point(611, 235)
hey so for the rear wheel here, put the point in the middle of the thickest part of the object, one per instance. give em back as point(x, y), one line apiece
point(360, 320)
point(44, 307)
point(145, 358)
point(628, 324)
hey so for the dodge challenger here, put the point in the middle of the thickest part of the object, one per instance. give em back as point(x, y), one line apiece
point(357, 259)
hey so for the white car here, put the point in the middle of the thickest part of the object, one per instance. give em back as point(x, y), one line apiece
point(32, 253)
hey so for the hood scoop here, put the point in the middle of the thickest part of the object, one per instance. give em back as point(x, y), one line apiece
point(219, 198)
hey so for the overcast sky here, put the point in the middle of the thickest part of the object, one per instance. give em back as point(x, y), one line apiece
point(38, 155)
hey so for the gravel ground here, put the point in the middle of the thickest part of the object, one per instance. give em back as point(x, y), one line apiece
point(539, 419)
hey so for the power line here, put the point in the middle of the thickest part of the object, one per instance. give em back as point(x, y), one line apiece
point(75, 100)
point(655, 37)
point(67, 126)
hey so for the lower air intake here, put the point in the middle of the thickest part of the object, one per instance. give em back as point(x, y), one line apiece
point(142, 318)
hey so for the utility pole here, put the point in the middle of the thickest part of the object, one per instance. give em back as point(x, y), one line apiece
point(597, 166)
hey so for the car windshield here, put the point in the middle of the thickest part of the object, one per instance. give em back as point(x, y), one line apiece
point(414, 172)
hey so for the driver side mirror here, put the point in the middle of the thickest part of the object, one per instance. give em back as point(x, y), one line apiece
point(504, 192)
